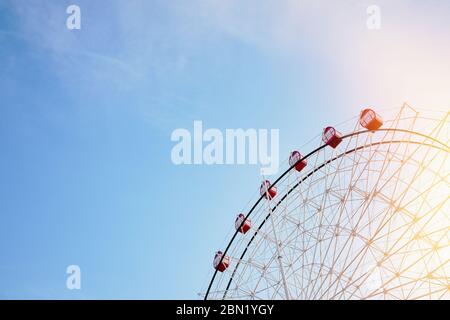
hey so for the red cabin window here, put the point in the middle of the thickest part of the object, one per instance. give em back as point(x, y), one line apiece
point(370, 120)
point(242, 226)
point(221, 265)
point(331, 137)
point(294, 159)
point(267, 191)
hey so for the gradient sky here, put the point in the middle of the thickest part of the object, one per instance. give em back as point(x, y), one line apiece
point(86, 118)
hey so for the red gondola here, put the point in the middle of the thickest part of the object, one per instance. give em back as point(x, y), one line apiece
point(331, 137)
point(221, 266)
point(294, 160)
point(242, 228)
point(267, 191)
point(370, 120)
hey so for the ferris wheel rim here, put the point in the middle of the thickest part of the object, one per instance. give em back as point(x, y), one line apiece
point(444, 148)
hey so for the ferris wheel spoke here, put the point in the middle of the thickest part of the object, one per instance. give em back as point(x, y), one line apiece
point(344, 199)
point(390, 253)
point(393, 253)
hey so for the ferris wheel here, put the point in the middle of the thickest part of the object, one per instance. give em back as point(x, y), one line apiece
point(364, 215)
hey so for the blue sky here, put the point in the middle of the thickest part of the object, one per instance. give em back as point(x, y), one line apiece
point(86, 119)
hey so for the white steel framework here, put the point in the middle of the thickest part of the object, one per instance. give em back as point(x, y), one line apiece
point(367, 220)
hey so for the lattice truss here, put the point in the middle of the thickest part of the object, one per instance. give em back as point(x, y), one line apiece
point(367, 220)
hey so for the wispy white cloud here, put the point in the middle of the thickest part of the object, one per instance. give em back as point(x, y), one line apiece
point(129, 44)
point(117, 49)
point(406, 60)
